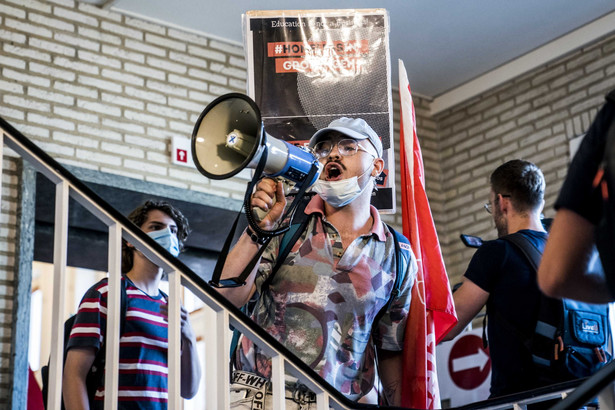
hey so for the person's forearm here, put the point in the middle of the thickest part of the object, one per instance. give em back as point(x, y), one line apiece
point(236, 261)
point(469, 300)
point(75, 394)
point(243, 252)
point(390, 371)
point(564, 270)
point(455, 331)
point(190, 368)
point(74, 390)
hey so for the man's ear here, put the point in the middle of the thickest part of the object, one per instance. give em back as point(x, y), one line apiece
point(503, 204)
point(378, 167)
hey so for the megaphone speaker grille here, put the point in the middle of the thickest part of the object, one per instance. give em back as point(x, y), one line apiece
point(210, 149)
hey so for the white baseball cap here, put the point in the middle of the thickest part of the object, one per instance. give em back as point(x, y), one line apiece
point(356, 128)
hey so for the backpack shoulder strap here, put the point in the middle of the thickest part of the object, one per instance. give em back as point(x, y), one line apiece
point(550, 310)
point(533, 256)
point(529, 250)
point(290, 237)
point(402, 259)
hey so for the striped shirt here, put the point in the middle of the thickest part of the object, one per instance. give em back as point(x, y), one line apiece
point(143, 368)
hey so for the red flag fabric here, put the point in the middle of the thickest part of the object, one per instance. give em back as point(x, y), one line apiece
point(35, 396)
point(432, 311)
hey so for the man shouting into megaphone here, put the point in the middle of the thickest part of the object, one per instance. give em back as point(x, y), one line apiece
point(341, 297)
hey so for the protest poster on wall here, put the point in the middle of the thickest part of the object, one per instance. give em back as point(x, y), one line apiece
point(309, 67)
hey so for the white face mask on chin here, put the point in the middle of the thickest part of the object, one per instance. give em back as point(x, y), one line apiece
point(340, 193)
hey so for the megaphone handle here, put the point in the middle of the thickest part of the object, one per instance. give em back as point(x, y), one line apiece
point(290, 210)
point(259, 213)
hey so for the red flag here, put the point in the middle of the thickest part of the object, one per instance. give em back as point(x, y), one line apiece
point(35, 396)
point(432, 311)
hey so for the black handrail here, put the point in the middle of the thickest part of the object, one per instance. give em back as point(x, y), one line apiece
point(589, 389)
point(524, 397)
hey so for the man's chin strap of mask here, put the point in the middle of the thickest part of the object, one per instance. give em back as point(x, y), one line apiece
point(241, 279)
point(342, 192)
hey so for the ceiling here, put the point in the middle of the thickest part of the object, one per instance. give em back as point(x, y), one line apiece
point(443, 43)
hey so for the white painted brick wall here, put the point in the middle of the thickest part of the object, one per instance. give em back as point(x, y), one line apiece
point(8, 220)
point(122, 101)
point(75, 16)
point(144, 25)
point(121, 30)
point(12, 62)
point(123, 77)
point(27, 27)
point(50, 96)
point(206, 53)
point(23, 78)
point(7, 10)
point(12, 36)
point(165, 42)
point(144, 48)
point(72, 89)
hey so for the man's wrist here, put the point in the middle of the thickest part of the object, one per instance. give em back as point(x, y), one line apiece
point(254, 237)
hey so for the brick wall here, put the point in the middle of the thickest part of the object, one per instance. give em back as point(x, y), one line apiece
point(532, 117)
point(102, 91)
point(8, 236)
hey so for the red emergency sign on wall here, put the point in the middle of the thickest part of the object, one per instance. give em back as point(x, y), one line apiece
point(182, 155)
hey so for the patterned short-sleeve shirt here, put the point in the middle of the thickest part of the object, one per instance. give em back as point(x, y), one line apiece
point(322, 302)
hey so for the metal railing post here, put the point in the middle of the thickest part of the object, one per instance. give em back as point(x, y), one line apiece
point(112, 339)
point(221, 361)
point(1, 162)
point(60, 241)
point(174, 329)
point(277, 382)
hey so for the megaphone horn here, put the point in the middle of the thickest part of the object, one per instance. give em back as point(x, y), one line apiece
point(229, 136)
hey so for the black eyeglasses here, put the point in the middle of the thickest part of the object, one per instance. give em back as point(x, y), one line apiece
point(346, 147)
point(488, 206)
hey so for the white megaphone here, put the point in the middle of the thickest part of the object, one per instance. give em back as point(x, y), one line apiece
point(229, 136)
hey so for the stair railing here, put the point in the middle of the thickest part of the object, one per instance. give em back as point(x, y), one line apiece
point(217, 396)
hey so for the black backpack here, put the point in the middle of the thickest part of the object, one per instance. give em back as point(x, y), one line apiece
point(96, 375)
point(571, 337)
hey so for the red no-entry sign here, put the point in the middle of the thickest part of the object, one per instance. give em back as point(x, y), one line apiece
point(468, 363)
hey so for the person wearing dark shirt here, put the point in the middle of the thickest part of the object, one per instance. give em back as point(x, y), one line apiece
point(500, 277)
point(564, 270)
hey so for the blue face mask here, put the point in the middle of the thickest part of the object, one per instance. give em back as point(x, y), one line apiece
point(166, 239)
